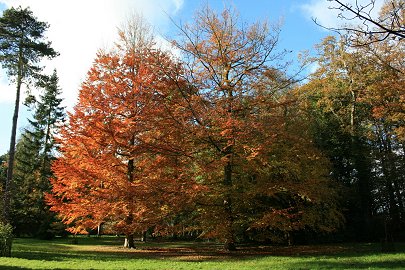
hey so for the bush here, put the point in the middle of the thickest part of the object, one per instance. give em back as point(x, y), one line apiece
point(6, 239)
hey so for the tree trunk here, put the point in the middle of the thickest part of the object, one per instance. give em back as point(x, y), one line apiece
point(144, 233)
point(388, 163)
point(362, 166)
point(229, 244)
point(398, 192)
point(129, 241)
point(99, 229)
point(352, 112)
point(10, 168)
point(394, 178)
point(45, 166)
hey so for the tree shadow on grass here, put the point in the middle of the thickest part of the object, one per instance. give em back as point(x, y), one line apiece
point(114, 253)
point(61, 256)
point(349, 254)
point(199, 252)
point(347, 264)
point(12, 267)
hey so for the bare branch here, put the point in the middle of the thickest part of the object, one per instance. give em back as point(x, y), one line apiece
point(389, 24)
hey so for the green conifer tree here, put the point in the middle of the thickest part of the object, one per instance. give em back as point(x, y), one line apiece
point(22, 47)
point(35, 152)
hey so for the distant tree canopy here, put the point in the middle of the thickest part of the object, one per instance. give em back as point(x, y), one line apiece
point(356, 96)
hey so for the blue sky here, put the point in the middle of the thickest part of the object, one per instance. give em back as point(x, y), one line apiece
point(78, 28)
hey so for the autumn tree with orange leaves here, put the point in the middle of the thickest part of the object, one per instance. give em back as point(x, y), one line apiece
point(252, 154)
point(113, 161)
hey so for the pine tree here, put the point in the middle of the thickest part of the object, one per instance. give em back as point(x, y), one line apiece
point(35, 152)
point(22, 47)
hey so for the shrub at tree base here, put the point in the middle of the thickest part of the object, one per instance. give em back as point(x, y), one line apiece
point(6, 239)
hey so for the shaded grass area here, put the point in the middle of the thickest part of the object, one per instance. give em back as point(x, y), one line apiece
point(107, 253)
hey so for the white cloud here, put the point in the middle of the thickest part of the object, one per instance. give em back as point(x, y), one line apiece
point(78, 28)
point(325, 16)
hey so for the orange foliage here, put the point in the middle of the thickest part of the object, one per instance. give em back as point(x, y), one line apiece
point(120, 159)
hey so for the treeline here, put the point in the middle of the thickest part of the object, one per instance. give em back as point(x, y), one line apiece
point(221, 142)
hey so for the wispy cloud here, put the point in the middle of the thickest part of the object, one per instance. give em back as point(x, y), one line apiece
point(178, 4)
point(79, 28)
point(325, 15)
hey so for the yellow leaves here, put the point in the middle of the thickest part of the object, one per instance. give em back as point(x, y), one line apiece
point(252, 152)
point(77, 230)
point(252, 155)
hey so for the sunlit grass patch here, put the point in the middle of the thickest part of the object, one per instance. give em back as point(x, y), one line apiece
point(108, 253)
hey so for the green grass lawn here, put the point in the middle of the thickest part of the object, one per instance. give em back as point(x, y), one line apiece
point(107, 253)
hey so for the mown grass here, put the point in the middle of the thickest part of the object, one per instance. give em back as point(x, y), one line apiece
point(107, 253)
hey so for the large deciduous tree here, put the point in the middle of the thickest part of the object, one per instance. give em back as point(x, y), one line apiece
point(22, 47)
point(115, 167)
point(242, 130)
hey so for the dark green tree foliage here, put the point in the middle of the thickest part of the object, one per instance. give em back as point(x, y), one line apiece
point(4, 251)
point(22, 47)
point(47, 116)
point(35, 152)
point(6, 237)
point(3, 170)
point(340, 115)
point(355, 99)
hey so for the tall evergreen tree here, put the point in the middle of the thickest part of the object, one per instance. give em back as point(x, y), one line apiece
point(34, 154)
point(22, 47)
